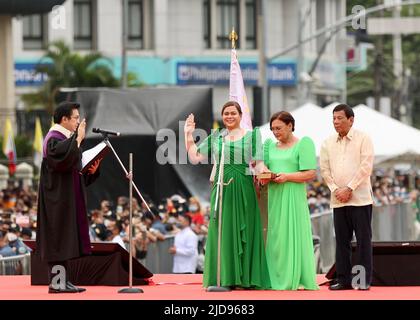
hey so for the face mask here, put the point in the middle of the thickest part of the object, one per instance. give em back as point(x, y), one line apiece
point(12, 237)
point(193, 208)
point(172, 220)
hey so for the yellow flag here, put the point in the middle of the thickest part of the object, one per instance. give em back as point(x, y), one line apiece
point(9, 148)
point(38, 141)
point(215, 125)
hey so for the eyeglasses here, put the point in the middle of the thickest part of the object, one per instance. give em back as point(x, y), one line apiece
point(276, 128)
point(75, 117)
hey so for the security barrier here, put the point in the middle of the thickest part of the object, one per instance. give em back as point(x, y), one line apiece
point(158, 260)
point(16, 265)
point(389, 223)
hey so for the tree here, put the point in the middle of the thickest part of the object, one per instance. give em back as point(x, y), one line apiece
point(23, 147)
point(69, 69)
point(361, 85)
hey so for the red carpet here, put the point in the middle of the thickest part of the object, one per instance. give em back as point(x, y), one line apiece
point(188, 287)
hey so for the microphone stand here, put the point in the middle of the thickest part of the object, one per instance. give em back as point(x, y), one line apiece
point(108, 143)
point(130, 235)
point(219, 203)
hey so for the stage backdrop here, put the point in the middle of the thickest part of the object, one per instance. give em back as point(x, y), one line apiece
point(139, 114)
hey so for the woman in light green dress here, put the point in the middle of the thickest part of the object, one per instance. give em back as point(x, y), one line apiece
point(289, 248)
point(243, 260)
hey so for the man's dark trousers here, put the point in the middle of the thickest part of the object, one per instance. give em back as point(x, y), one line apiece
point(346, 220)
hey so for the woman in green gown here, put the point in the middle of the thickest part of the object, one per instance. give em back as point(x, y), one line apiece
point(243, 260)
point(289, 247)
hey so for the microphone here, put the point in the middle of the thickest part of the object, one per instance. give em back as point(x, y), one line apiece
point(224, 133)
point(113, 133)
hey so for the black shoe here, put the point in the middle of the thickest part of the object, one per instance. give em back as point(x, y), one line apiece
point(339, 286)
point(67, 289)
point(71, 285)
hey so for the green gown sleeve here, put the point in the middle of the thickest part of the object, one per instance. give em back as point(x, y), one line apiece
point(266, 153)
point(257, 145)
point(306, 154)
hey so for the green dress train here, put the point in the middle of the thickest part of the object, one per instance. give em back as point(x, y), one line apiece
point(289, 248)
point(243, 260)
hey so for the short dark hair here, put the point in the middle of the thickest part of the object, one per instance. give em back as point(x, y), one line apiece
point(26, 232)
point(119, 226)
point(232, 104)
point(346, 108)
point(65, 109)
point(283, 116)
point(147, 215)
point(187, 217)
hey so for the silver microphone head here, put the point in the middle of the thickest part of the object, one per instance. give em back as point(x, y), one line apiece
point(224, 133)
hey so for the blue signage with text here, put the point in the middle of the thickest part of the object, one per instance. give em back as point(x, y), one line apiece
point(26, 76)
point(218, 73)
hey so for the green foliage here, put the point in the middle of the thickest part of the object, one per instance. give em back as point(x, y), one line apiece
point(361, 85)
point(23, 147)
point(69, 69)
point(365, 3)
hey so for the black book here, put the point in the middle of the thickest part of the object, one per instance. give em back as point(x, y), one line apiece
point(89, 156)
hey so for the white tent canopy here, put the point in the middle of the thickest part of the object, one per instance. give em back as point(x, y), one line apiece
point(306, 118)
point(390, 137)
point(329, 108)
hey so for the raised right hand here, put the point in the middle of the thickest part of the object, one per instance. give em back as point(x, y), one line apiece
point(189, 126)
point(81, 130)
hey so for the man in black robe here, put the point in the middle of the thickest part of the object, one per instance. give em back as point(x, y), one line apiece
point(62, 223)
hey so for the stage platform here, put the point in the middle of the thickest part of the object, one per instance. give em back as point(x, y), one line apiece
point(189, 287)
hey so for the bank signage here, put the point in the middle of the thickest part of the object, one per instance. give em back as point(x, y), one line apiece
point(218, 73)
point(26, 76)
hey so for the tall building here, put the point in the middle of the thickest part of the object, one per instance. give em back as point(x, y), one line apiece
point(185, 42)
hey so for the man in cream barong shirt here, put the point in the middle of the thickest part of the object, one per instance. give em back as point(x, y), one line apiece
point(346, 163)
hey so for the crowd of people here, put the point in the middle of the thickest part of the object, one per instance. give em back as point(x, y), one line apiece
point(391, 188)
point(17, 220)
point(108, 223)
point(388, 187)
point(18, 214)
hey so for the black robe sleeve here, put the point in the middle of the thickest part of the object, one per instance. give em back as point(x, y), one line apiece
point(63, 155)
